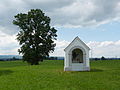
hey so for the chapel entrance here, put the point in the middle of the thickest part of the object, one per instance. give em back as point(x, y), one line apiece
point(77, 56)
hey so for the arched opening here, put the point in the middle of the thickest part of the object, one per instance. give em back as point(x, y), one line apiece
point(77, 56)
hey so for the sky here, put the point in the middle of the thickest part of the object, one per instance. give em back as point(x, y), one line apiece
point(95, 22)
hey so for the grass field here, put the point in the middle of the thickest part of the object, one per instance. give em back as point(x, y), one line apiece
point(49, 75)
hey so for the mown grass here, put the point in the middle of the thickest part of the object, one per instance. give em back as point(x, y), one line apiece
point(49, 75)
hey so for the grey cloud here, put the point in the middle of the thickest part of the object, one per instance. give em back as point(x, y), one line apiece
point(48, 5)
point(104, 10)
point(9, 8)
point(73, 13)
point(91, 13)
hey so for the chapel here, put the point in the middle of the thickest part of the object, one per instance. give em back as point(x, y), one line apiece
point(77, 56)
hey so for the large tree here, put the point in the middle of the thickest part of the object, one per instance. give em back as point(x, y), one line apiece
point(36, 36)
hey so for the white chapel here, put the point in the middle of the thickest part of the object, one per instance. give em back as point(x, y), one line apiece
point(77, 56)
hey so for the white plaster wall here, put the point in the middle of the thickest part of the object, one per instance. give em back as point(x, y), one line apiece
point(87, 59)
point(68, 65)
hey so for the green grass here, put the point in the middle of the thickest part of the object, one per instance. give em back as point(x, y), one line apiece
point(49, 75)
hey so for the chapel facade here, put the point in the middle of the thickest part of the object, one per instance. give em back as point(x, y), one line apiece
point(77, 56)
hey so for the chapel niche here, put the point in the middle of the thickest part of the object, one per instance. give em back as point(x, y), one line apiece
point(77, 56)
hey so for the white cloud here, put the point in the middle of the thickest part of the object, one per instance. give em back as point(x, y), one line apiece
point(59, 49)
point(8, 44)
point(99, 49)
point(106, 48)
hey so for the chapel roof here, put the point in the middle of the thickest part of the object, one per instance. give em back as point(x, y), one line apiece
point(77, 38)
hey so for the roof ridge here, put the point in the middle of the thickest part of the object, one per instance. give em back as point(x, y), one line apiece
point(79, 40)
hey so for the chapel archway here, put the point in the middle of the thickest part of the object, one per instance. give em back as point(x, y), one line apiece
point(77, 56)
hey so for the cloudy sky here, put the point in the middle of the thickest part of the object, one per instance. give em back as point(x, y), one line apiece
point(96, 22)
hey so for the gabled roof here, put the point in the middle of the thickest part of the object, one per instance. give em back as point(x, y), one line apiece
point(77, 38)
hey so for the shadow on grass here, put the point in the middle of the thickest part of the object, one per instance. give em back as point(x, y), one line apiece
point(91, 70)
point(7, 64)
point(96, 70)
point(5, 72)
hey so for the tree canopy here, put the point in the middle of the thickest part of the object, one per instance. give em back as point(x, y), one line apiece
point(36, 36)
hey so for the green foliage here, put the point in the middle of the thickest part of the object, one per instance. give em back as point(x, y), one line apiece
point(36, 36)
point(16, 75)
point(103, 58)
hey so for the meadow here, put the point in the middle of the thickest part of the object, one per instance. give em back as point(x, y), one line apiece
point(49, 75)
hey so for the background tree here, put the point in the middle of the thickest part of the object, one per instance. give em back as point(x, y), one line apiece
point(36, 36)
point(103, 58)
